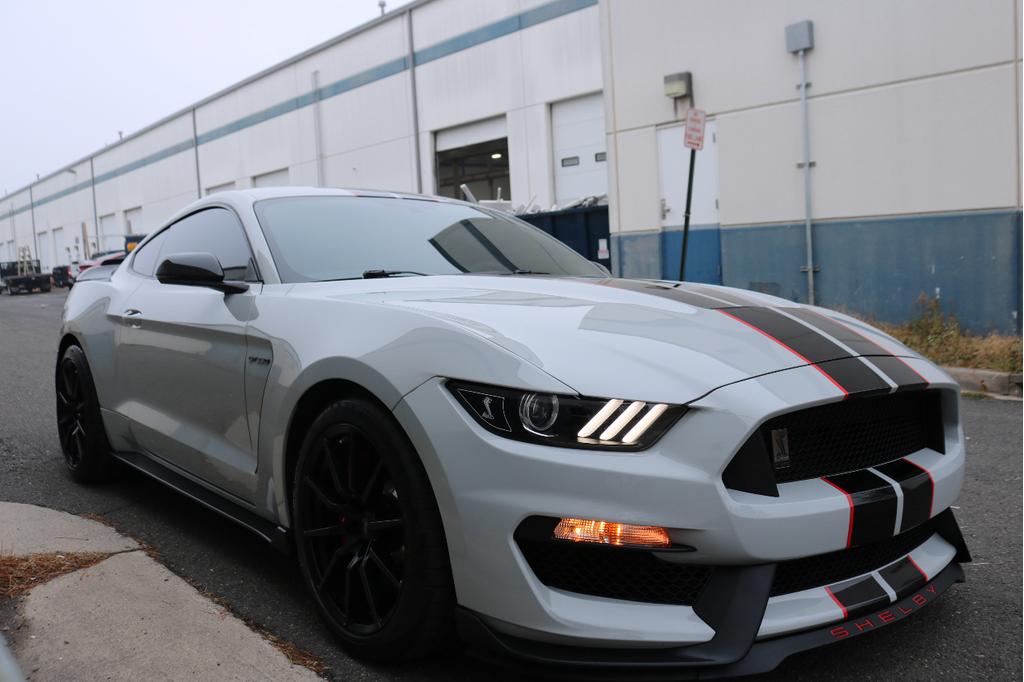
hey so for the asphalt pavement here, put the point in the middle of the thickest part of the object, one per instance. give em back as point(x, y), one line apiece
point(974, 631)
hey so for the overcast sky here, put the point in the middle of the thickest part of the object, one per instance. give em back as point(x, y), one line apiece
point(73, 73)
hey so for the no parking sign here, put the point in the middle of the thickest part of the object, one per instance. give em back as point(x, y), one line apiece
point(693, 137)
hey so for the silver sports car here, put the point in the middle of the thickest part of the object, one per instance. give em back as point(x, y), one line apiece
point(466, 431)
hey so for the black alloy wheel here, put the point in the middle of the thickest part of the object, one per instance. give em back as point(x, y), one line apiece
point(369, 537)
point(70, 409)
point(354, 531)
point(83, 439)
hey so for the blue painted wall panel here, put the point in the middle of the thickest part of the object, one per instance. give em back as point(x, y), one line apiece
point(655, 255)
point(879, 267)
point(703, 254)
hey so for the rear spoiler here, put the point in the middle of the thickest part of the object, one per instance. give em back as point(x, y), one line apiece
point(100, 273)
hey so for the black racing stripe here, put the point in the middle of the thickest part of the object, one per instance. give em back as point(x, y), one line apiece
point(857, 378)
point(860, 594)
point(918, 491)
point(874, 506)
point(802, 339)
point(900, 372)
point(839, 331)
point(903, 577)
point(680, 293)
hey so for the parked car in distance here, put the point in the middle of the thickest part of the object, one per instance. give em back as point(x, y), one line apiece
point(60, 276)
point(102, 258)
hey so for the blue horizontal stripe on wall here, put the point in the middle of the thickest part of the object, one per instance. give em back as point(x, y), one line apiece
point(504, 27)
point(517, 22)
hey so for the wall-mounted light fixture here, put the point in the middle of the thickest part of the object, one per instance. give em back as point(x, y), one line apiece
point(679, 85)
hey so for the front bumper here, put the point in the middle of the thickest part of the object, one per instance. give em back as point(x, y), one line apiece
point(733, 653)
point(487, 485)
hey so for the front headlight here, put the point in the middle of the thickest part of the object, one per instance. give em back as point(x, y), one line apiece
point(566, 420)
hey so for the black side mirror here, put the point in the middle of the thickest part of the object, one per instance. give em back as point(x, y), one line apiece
point(197, 270)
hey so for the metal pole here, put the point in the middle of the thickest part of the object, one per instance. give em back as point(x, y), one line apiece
point(95, 215)
point(32, 210)
point(195, 149)
point(411, 58)
point(686, 217)
point(14, 234)
point(808, 235)
point(318, 162)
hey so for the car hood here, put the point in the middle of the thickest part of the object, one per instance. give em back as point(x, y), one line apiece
point(630, 339)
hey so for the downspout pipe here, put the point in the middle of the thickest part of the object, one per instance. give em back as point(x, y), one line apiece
point(318, 156)
point(800, 39)
point(808, 232)
point(411, 58)
point(195, 153)
point(95, 215)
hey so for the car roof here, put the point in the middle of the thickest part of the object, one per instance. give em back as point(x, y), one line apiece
point(259, 193)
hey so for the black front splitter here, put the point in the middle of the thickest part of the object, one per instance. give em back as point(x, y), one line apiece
point(541, 659)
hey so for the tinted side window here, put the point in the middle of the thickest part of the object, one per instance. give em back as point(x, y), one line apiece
point(216, 231)
point(145, 260)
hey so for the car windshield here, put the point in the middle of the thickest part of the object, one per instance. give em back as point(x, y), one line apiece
point(338, 237)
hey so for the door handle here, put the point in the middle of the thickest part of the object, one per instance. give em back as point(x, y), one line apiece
point(134, 317)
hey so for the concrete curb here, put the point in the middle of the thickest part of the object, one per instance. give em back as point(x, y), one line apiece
point(986, 381)
point(124, 618)
point(28, 529)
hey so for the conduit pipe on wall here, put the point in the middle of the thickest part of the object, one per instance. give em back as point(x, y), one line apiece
point(800, 39)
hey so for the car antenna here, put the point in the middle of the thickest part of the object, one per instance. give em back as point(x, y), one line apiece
point(467, 193)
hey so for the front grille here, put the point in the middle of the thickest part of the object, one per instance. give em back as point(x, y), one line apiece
point(834, 567)
point(855, 434)
point(616, 573)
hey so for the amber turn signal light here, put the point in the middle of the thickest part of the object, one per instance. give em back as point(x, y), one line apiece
point(609, 533)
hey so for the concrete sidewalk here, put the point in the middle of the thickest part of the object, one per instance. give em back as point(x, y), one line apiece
point(124, 618)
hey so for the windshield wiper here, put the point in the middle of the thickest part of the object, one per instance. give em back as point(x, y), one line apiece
point(505, 272)
point(379, 274)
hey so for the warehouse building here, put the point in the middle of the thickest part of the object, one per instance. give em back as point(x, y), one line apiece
point(913, 124)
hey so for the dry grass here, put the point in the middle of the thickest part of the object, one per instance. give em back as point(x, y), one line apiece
point(19, 574)
point(293, 653)
point(939, 338)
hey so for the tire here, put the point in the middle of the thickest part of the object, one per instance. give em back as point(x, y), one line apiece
point(83, 438)
point(369, 536)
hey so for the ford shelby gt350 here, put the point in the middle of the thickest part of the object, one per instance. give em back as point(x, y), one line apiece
point(464, 429)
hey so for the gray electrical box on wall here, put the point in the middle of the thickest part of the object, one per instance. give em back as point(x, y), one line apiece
point(800, 36)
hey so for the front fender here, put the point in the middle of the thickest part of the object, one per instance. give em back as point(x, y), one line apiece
point(385, 351)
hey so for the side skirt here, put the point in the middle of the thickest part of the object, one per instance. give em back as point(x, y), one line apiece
point(276, 535)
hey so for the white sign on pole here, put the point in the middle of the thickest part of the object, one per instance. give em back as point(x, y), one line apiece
point(693, 137)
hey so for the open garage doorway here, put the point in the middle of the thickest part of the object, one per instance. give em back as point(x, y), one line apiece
point(482, 166)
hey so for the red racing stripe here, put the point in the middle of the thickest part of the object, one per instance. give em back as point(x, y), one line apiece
point(838, 603)
point(919, 569)
point(849, 501)
point(931, 499)
point(790, 349)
